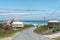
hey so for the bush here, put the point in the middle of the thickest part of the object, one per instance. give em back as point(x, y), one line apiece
point(27, 26)
point(1, 25)
point(7, 33)
point(41, 29)
point(55, 28)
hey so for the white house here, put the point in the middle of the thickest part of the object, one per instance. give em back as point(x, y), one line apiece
point(17, 24)
point(52, 23)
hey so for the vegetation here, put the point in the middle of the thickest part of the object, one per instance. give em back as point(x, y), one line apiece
point(55, 28)
point(27, 26)
point(8, 33)
point(58, 38)
point(41, 30)
point(5, 31)
point(46, 30)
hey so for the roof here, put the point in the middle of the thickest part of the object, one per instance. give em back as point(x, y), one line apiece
point(17, 23)
point(53, 21)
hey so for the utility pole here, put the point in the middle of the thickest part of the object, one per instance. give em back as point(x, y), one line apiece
point(44, 20)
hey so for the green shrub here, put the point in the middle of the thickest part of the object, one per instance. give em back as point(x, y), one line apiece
point(58, 38)
point(7, 33)
point(41, 29)
point(55, 28)
point(1, 25)
point(27, 26)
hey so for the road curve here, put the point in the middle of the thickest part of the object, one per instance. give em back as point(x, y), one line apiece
point(29, 35)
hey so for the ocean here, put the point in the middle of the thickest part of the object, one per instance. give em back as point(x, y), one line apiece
point(29, 22)
point(35, 23)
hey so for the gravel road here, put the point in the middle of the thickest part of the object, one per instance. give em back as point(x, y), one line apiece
point(29, 35)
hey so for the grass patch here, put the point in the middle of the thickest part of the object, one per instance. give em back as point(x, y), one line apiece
point(46, 31)
point(27, 26)
point(41, 29)
point(7, 33)
point(10, 33)
point(58, 38)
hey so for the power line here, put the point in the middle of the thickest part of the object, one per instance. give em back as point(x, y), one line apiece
point(56, 10)
point(52, 14)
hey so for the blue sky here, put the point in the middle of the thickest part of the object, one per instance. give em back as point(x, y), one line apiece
point(29, 9)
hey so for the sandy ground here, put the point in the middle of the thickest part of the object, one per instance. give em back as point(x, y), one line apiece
point(53, 35)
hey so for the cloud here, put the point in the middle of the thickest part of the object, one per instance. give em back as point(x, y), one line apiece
point(25, 14)
point(20, 10)
point(9, 11)
point(12, 13)
point(35, 10)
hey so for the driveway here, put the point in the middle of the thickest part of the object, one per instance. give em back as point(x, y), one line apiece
point(29, 35)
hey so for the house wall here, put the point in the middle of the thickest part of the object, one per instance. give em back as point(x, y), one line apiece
point(17, 25)
point(51, 24)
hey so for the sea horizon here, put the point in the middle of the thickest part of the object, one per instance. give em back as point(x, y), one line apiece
point(30, 22)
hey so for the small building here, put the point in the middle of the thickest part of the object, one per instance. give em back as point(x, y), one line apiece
point(17, 24)
point(53, 23)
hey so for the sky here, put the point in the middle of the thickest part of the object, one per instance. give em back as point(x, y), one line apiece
point(30, 9)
